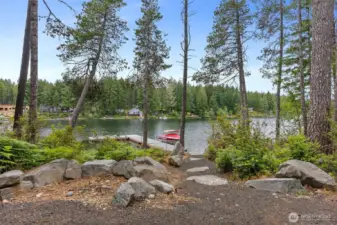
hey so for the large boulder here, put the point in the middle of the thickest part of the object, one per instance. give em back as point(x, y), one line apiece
point(149, 172)
point(10, 178)
point(141, 187)
point(73, 171)
point(178, 149)
point(124, 195)
point(124, 168)
point(162, 186)
point(209, 180)
point(282, 185)
point(9, 192)
point(307, 173)
point(176, 160)
point(98, 168)
point(50, 173)
point(148, 161)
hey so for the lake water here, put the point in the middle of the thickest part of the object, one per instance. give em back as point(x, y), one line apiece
point(197, 131)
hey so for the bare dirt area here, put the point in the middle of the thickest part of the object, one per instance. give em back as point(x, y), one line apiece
point(192, 203)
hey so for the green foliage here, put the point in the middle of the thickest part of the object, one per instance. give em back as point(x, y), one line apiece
point(117, 150)
point(62, 136)
point(16, 154)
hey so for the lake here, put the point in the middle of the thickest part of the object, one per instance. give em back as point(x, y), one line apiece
point(197, 130)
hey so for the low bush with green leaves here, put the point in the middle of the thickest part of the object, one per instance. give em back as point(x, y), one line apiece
point(117, 150)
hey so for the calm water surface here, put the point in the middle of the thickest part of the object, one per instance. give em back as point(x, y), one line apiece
point(197, 131)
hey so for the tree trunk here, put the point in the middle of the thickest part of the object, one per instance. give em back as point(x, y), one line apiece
point(243, 92)
point(184, 97)
point(335, 75)
point(23, 75)
point(33, 72)
point(300, 58)
point(279, 75)
point(145, 110)
point(85, 90)
point(320, 86)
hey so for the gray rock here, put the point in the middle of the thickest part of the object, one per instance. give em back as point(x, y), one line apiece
point(124, 168)
point(195, 159)
point(8, 193)
point(209, 180)
point(148, 161)
point(141, 187)
point(10, 178)
point(307, 173)
point(98, 168)
point(198, 169)
point(50, 173)
point(124, 195)
point(26, 184)
point(73, 171)
point(162, 186)
point(178, 149)
point(176, 160)
point(148, 172)
point(281, 185)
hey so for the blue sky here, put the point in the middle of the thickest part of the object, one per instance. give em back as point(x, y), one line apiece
point(12, 22)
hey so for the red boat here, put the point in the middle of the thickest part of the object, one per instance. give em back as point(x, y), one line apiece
point(169, 136)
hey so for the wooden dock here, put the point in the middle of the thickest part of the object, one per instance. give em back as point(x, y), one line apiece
point(135, 139)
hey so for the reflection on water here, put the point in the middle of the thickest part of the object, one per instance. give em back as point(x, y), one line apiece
point(196, 135)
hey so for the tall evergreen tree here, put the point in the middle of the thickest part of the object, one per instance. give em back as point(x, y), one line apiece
point(150, 54)
point(91, 47)
point(320, 82)
point(225, 56)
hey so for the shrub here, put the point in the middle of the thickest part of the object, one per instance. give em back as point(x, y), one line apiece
point(17, 154)
point(62, 137)
point(117, 150)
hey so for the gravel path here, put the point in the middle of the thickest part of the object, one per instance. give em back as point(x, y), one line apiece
point(231, 204)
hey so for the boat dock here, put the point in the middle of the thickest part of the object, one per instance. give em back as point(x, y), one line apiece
point(135, 139)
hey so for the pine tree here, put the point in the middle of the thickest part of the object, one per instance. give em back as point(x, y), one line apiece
point(91, 47)
point(150, 54)
point(225, 56)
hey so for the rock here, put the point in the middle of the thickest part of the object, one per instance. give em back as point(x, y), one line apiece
point(50, 173)
point(308, 173)
point(161, 186)
point(195, 159)
point(124, 168)
point(152, 196)
point(39, 195)
point(176, 160)
point(8, 192)
point(70, 193)
point(141, 187)
point(198, 169)
point(10, 178)
point(26, 184)
point(148, 161)
point(149, 172)
point(98, 168)
point(178, 149)
point(281, 185)
point(209, 180)
point(73, 171)
point(124, 195)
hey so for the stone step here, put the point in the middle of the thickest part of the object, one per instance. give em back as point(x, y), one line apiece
point(209, 180)
point(198, 169)
point(195, 159)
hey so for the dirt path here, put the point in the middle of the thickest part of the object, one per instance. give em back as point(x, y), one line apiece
point(232, 204)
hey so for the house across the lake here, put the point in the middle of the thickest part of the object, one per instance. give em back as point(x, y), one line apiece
point(135, 112)
point(8, 110)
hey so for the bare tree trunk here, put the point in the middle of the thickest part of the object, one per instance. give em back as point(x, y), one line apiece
point(335, 75)
point(279, 75)
point(85, 90)
point(320, 86)
point(185, 49)
point(145, 110)
point(33, 72)
point(243, 92)
point(300, 56)
point(23, 75)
